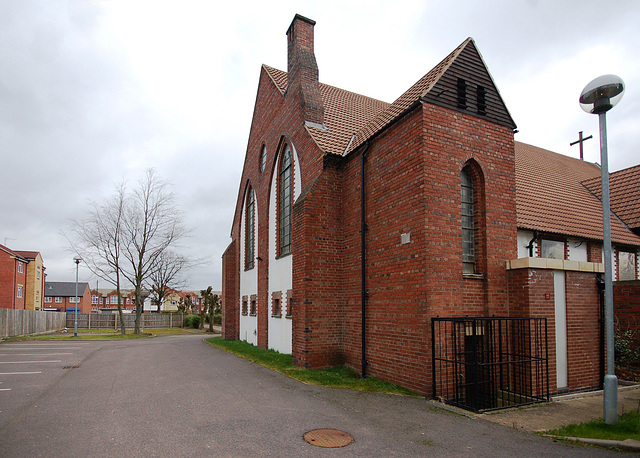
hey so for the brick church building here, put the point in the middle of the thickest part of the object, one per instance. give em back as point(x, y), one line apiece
point(359, 224)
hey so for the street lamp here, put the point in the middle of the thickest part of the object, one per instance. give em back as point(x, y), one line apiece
point(77, 259)
point(598, 97)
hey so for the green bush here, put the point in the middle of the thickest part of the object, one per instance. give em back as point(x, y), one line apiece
point(626, 350)
point(192, 321)
point(217, 318)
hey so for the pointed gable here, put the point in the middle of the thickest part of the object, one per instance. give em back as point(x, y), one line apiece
point(441, 86)
point(467, 86)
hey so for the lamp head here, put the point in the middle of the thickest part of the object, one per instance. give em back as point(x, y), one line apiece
point(602, 94)
point(77, 259)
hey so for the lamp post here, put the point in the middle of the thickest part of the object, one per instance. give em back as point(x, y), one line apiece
point(598, 97)
point(77, 259)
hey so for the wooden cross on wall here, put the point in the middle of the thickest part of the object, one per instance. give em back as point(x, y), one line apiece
point(581, 141)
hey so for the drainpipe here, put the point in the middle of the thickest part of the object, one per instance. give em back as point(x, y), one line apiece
point(363, 230)
point(531, 243)
point(15, 282)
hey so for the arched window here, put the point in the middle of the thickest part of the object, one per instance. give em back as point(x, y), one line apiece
point(263, 158)
point(468, 222)
point(250, 218)
point(285, 194)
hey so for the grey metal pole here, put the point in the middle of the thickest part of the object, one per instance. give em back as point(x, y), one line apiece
point(610, 379)
point(75, 326)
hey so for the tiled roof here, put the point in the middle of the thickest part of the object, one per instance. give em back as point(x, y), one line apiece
point(28, 254)
point(350, 119)
point(64, 288)
point(550, 196)
point(406, 100)
point(9, 251)
point(624, 194)
point(344, 113)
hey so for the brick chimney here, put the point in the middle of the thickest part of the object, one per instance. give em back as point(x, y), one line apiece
point(303, 69)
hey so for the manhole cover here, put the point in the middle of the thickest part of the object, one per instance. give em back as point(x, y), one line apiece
point(328, 438)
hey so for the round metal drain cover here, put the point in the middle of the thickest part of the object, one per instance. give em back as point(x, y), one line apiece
point(328, 438)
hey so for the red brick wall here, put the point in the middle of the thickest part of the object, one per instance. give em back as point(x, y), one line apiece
point(626, 304)
point(583, 330)
point(413, 186)
point(9, 279)
point(531, 293)
point(230, 282)
point(317, 272)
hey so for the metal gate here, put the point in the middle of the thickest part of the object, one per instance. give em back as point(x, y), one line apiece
point(485, 364)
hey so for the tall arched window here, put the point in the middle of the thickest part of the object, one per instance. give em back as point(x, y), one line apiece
point(285, 201)
point(250, 232)
point(468, 222)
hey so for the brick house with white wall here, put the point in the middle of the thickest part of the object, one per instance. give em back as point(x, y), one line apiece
point(22, 275)
point(358, 221)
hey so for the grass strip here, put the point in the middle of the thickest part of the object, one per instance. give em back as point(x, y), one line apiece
point(336, 377)
point(628, 427)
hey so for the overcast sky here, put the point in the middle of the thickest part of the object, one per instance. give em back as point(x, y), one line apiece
point(96, 91)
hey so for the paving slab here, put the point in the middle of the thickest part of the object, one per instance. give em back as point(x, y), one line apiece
point(564, 410)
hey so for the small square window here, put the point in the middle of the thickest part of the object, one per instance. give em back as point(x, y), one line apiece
point(276, 308)
point(626, 265)
point(552, 249)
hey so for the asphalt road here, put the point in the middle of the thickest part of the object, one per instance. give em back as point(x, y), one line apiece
point(179, 396)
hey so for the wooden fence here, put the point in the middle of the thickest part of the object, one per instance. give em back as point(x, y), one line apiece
point(25, 322)
point(112, 320)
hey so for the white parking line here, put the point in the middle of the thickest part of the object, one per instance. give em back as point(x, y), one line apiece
point(11, 346)
point(35, 354)
point(5, 389)
point(20, 373)
point(27, 362)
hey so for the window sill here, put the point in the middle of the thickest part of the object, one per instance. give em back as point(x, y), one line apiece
point(288, 317)
point(284, 255)
point(276, 316)
point(473, 276)
point(244, 314)
point(253, 314)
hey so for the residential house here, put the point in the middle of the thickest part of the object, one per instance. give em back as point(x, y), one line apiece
point(105, 300)
point(174, 297)
point(360, 224)
point(34, 289)
point(21, 279)
point(61, 296)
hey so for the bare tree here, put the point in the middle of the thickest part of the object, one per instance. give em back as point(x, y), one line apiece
point(186, 304)
point(97, 239)
point(165, 277)
point(151, 226)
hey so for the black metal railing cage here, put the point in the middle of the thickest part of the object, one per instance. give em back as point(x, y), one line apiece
point(483, 364)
